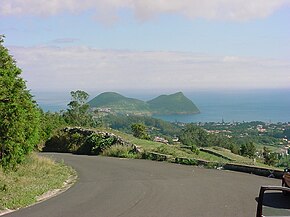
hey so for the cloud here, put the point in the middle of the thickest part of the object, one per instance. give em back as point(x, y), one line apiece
point(53, 68)
point(64, 40)
point(107, 10)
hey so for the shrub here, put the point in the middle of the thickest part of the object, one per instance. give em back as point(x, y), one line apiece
point(186, 161)
point(103, 143)
point(155, 156)
point(80, 143)
point(120, 151)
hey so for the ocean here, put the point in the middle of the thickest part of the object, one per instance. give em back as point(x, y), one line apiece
point(259, 105)
point(269, 106)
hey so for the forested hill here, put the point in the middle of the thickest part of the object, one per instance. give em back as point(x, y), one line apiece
point(119, 104)
point(165, 104)
point(175, 103)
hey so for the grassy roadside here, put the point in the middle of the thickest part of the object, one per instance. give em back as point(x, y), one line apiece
point(174, 150)
point(177, 151)
point(33, 178)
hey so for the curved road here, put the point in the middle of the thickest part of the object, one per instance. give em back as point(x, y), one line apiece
point(112, 187)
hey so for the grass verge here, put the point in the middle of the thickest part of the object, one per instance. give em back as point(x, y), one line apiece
point(31, 179)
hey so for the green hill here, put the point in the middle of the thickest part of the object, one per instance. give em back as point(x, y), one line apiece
point(119, 104)
point(165, 104)
point(175, 103)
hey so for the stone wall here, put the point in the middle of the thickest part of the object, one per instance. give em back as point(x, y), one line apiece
point(254, 170)
point(216, 154)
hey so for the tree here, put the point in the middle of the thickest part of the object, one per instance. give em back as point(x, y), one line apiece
point(234, 148)
point(194, 136)
point(270, 158)
point(139, 131)
point(286, 132)
point(19, 114)
point(248, 149)
point(78, 112)
point(49, 122)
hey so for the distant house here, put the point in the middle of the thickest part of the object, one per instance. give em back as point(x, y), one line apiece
point(261, 129)
point(160, 139)
point(284, 151)
point(106, 110)
point(175, 139)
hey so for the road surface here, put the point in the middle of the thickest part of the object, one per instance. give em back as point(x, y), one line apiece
point(112, 187)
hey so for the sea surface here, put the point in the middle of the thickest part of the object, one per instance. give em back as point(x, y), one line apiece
point(269, 106)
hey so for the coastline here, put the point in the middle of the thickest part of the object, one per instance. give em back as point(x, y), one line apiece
point(271, 106)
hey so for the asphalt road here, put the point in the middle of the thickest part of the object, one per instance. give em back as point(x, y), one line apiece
point(112, 187)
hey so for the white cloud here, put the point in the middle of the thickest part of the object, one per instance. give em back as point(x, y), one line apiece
point(64, 40)
point(107, 10)
point(52, 68)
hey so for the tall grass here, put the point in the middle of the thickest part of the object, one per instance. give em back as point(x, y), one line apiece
point(37, 175)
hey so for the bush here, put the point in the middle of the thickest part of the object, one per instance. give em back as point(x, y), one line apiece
point(284, 161)
point(140, 131)
point(102, 143)
point(79, 143)
point(214, 165)
point(186, 161)
point(154, 156)
point(120, 151)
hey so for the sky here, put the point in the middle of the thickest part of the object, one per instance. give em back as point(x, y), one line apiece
point(149, 45)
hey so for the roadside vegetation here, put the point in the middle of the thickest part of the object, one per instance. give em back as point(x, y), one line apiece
point(121, 152)
point(24, 127)
point(19, 114)
point(34, 177)
point(114, 143)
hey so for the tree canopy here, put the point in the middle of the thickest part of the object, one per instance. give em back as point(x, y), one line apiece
point(248, 149)
point(270, 158)
point(139, 130)
point(19, 114)
point(78, 113)
point(194, 136)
